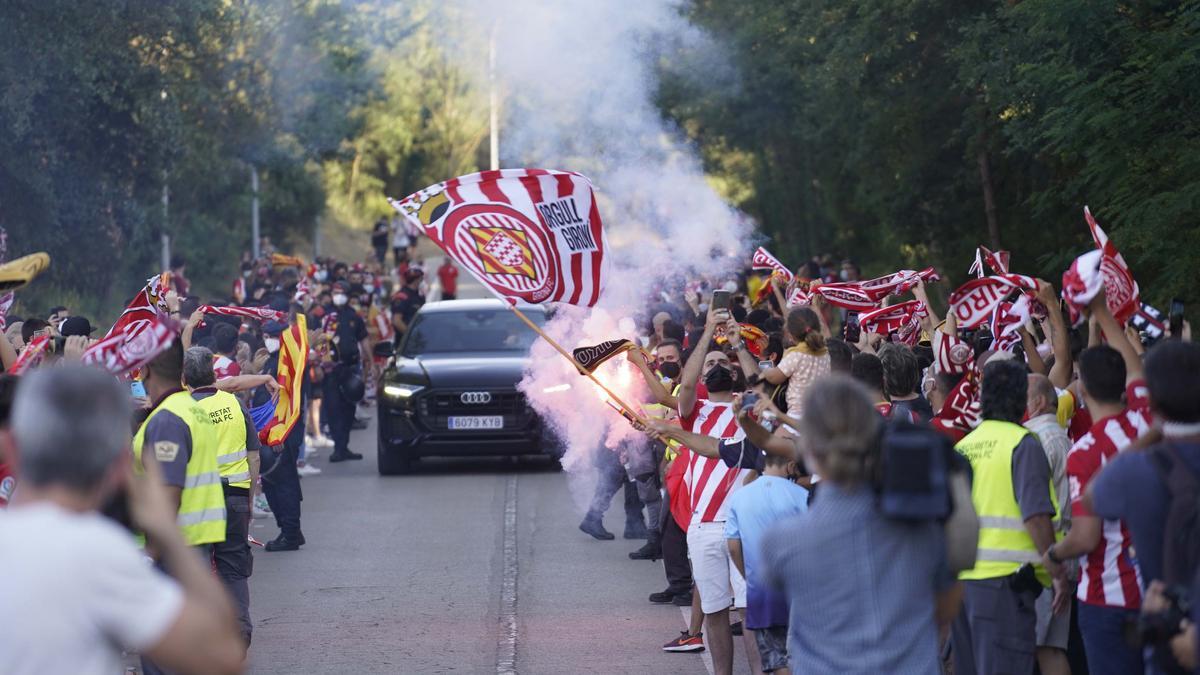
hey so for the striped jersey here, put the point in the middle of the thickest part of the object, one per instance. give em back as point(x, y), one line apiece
point(710, 481)
point(1108, 575)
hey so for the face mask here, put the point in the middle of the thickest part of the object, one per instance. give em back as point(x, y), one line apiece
point(844, 275)
point(272, 344)
point(370, 288)
point(719, 379)
point(670, 369)
point(731, 286)
point(339, 299)
point(321, 276)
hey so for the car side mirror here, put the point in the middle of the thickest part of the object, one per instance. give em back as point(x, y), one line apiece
point(384, 349)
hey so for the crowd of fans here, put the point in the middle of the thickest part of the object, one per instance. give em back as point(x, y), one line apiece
point(845, 499)
point(800, 472)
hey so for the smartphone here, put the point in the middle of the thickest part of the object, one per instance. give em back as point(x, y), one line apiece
point(720, 300)
point(852, 330)
point(766, 365)
point(750, 399)
point(1175, 319)
point(137, 389)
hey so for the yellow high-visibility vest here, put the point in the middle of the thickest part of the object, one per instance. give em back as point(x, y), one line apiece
point(202, 502)
point(1004, 543)
point(225, 412)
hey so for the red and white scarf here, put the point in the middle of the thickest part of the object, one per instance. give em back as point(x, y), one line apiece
point(975, 301)
point(986, 259)
point(1007, 319)
point(32, 356)
point(131, 348)
point(257, 313)
point(1105, 267)
point(763, 260)
point(864, 296)
point(903, 319)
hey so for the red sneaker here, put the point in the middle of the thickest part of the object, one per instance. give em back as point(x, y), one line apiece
point(686, 643)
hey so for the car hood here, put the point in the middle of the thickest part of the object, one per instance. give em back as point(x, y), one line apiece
point(472, 369)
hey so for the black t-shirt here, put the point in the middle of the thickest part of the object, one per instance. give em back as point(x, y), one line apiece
point(379, 235)
point(406, 302)
point(919, 406)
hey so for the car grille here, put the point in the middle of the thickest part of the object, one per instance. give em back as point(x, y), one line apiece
point(435, 408)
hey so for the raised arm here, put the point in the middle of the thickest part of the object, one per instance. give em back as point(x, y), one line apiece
point(706, 446)
point(1116, 337)
point(695, 363)
point(657, 390)
point(1060, 339)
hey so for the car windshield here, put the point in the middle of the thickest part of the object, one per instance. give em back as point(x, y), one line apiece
point(477, 331)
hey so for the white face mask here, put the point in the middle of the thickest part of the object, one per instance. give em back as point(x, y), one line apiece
point(272, 344)
point(321, 276)
point(370, 288)
point(339, 299)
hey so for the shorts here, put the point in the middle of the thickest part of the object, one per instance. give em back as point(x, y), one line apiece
point(1053, 630)
point(717, 579)
point(772, 647)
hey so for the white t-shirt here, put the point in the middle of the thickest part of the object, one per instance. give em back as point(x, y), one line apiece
point(74, 591)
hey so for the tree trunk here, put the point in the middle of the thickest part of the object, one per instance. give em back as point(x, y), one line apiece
point(989, 199)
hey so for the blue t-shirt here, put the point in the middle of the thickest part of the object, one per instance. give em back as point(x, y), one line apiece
point(752, 511)
point(1131, 488)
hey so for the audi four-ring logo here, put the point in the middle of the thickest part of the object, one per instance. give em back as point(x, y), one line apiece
point(475, 397)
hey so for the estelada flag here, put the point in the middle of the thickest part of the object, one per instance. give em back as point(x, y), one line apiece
point(528, 235)
point(590, 358)
point(293, 357)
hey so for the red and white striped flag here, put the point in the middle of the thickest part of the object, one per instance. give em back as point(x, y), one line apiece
point(864, 296)
point(1007, 319)
point(131, 348)
point(145, 308)
point(1090, 271)
point(800, 296)
point(986, 260)
point(531, 235)
point(763, 260)
point(256, 313)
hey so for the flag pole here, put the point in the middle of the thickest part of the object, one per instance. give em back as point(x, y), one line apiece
point(582, 371)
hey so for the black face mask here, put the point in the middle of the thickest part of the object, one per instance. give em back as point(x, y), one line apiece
point(719, 379)
point(669, 369)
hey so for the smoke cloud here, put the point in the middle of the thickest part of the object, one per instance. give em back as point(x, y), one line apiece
point(578, 80)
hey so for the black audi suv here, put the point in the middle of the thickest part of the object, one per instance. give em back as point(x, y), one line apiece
point(451, 389)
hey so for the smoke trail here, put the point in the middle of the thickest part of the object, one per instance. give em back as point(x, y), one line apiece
point(578, 82)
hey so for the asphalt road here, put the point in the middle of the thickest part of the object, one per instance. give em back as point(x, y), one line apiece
point(471, 566)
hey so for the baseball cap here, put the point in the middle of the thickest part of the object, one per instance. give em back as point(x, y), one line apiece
point(75, 325)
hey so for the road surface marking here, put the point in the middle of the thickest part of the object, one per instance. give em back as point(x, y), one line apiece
point(506, 649)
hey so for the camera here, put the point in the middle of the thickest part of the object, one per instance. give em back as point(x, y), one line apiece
point(1160, 627)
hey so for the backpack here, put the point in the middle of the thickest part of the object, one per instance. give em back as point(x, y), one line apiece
point(1181, 534)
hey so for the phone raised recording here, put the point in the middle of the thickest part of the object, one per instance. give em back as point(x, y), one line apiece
point(1175, 319)
point(720, 300)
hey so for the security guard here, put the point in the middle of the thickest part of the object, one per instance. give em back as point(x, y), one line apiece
point(1013, 495)
point(237, 462)
point(180, 436)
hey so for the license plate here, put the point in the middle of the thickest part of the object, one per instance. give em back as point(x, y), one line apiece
point(477, 422)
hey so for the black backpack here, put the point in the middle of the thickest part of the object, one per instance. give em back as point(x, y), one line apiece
point(1181, 538)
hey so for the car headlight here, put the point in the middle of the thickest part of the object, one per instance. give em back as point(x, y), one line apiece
point(401, 390)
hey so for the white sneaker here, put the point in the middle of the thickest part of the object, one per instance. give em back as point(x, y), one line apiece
point(307, 470)
point(322, 442)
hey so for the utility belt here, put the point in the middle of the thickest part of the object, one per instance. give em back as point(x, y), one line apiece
point(232, 490)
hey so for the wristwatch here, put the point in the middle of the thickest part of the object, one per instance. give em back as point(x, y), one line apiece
point(1053, 558)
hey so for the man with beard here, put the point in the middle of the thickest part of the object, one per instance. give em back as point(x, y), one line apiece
point(710, 483)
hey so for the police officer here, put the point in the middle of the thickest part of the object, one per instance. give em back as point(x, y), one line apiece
point(343, 383)
point(995, 630)
point(237, 462)
point(180, 436)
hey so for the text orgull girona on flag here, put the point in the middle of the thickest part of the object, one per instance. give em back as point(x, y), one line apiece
point(529, 235)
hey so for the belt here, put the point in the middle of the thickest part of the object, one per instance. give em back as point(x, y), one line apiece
point(234, 490)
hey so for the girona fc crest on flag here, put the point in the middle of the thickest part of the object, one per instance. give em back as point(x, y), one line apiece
point(504, 251)
point(529, 235)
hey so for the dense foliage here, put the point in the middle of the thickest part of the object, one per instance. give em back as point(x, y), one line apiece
point(867, 128)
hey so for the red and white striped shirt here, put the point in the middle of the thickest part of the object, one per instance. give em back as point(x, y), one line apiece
point(709, 480)
point(224, 367)
point(1107, 574)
